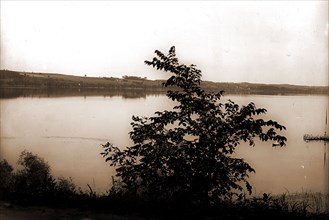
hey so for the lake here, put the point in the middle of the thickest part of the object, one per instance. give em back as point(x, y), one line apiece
point(68, 132)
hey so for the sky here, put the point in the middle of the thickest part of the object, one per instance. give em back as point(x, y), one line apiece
point(280, 42)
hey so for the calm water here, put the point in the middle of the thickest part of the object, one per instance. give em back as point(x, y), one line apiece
point(68, 131)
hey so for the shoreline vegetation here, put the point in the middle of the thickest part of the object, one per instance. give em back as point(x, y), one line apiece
point(19, 84)
point(26, 193)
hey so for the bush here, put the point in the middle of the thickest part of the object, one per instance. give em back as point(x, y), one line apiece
point(34, 183)
point(34, 180)
point(65, 188)
point(185, 155)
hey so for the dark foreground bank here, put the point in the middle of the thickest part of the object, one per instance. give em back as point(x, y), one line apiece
point(32, 192)
point(256, 210)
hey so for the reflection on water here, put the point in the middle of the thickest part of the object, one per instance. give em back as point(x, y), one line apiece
point(68, 133)
point(67, 92)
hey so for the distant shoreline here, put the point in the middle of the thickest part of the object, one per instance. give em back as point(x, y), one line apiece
point(13, 81)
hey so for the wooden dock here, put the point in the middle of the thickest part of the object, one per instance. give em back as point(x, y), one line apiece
point(308, 137)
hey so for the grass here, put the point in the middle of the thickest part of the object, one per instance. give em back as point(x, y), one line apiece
point(312, 202)
point(306, 205)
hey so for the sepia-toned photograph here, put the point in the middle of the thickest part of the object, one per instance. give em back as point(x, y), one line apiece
point(131, 110)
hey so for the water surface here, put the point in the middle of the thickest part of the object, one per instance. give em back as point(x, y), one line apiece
point(68, 133)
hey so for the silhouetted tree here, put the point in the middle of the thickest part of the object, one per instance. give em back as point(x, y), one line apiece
point(6, 178)
point(186, 154)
